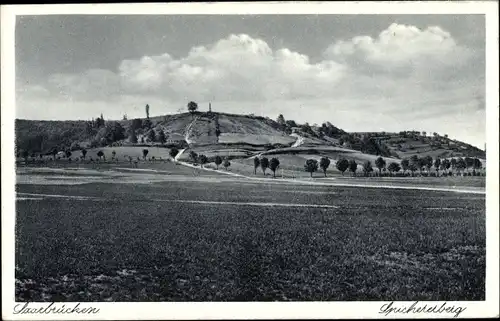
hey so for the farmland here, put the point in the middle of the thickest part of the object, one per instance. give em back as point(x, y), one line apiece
point(173, 233)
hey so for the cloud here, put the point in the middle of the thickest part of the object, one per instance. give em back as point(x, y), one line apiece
point(403, 78)
point(401, 47)
point(237, 67)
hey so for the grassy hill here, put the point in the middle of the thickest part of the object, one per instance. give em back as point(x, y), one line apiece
point(233, 136)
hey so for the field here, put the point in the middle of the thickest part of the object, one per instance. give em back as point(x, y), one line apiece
point(173, 233)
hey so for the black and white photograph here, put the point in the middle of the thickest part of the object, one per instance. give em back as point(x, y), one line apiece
point(249, 157)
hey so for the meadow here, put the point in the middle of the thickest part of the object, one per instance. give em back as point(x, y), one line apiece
point(220, 238)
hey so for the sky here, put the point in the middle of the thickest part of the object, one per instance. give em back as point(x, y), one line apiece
point(360, 72)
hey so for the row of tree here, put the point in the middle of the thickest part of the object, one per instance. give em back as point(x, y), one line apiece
point(203, 159)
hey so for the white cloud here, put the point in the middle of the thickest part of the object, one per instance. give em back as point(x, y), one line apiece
point(401, 46)
point(404, 78)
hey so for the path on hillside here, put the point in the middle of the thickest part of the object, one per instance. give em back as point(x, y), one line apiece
point(299, 141)
point(188, 130)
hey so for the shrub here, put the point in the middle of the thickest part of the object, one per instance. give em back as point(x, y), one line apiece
point(226, 163)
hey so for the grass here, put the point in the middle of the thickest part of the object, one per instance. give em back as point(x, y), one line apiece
point(136, 245)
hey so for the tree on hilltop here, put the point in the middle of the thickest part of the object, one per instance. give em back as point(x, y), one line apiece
point(192, 107)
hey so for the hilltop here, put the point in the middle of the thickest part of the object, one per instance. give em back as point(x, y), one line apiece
point(234, 136)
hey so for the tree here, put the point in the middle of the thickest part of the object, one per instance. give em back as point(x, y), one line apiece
point(25, 154)
point(173, 152)
point(421, 164)
point(100, 154)
point(445, 164)
point(218, 161)
point(273, 165)
point(413, 167)
point(405, 164)
point(161, 137)
point(437, 165)
point(203, 160)
point(469, 162)
point(152, 136)
point(342, 165)
point(193, 156)
point(461, 165)
point(380, 163)
point(353, 166)
point(84, 153)
point(147, 111)
point(226, 163)
point(324, 163)
point(53, 152)
point(145, 153)
point(414, 160)
point(256, 164)
point(311, 166)
point(428, 162)
point(132, 136)
point(367, 167)
point(393, 167)
point(136, 123)
point(281, 121)
point(114, 132)
point(424, 133)
point(453, 163)
point(113, 155)
point(192, 107)
point(264, 164)
point(477, 164)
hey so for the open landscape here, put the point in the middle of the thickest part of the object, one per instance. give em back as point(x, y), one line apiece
point(312, 161)
point(173, 233)
point(204, 206)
